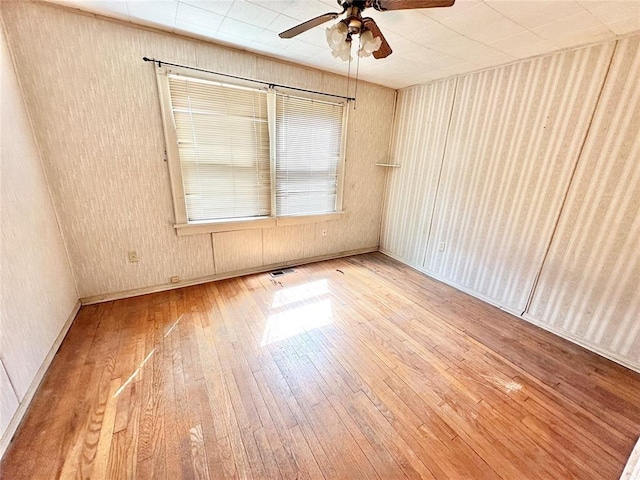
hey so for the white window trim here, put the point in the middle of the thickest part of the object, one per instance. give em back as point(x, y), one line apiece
point(182, 225)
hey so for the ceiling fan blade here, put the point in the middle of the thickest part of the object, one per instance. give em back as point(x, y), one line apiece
point(383, 5)
point(309, 24)
point(385, 49)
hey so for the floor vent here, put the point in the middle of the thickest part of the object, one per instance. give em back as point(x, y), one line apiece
point(279, 273)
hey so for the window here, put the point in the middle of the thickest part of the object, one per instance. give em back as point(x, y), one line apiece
point(223, 143)
point(308, 152)
point(243, 155)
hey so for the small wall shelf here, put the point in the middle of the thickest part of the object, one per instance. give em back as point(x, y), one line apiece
point(392, 165)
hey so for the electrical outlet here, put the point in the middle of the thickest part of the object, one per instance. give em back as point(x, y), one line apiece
point(133, 256)
point(324, 232)
point(175, 279)
point(442, 246)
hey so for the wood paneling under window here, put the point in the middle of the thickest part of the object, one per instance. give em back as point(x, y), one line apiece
point(237, 250)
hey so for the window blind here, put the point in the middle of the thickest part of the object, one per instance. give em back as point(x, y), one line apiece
point(308, 150)
point(223, 143)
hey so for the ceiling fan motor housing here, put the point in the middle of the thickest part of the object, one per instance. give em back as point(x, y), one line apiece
point(354, 20)
point(361, 4)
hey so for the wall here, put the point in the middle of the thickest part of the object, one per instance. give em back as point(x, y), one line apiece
point(37, 288)
point(527, 165)
point(96, 113)
point(589, 286)
point(8, 406)
point(422, 121)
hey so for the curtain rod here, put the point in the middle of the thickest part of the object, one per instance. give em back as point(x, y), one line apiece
point(271, 84)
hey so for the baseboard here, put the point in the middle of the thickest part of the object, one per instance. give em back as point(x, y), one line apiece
point(108, 297)
point(632, 469)
point(527, 318)
point(35, 383)
point(448, 282)
point(583, 343)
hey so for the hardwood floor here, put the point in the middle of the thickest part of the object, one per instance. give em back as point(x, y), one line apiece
point(351, 368)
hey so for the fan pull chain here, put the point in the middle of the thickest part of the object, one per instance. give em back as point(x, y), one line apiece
point(349, 70)
point(355, 93)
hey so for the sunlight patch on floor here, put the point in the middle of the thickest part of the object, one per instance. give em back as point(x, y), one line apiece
point(290, 295)
point(294, 321)
point(146, 359)
point(134, 374)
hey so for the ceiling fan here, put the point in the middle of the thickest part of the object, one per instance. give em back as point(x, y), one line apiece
point(373, 42)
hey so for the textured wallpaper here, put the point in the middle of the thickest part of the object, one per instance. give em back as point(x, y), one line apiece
point(494, 192)
point(97, 117)
point(36, 285)
point(514, 140)
point(423, 117)
point(8, 401)
point(481, 206)
point(590, 281)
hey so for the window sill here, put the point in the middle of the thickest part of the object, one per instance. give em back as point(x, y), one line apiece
point(252, 223)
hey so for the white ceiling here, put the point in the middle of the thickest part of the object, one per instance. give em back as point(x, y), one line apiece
point(427, 44)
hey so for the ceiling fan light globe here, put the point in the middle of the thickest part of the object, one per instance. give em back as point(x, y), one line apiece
point(377, 43)
point(337, 38)
point(368, 43)
point(343, 55)
point(364, 52)
point(336, 34)
point(366, 37)
point(342, 51)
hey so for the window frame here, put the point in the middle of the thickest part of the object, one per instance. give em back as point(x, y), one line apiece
point(182, 225)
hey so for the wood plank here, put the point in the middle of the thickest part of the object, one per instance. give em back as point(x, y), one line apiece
point(352, 368)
